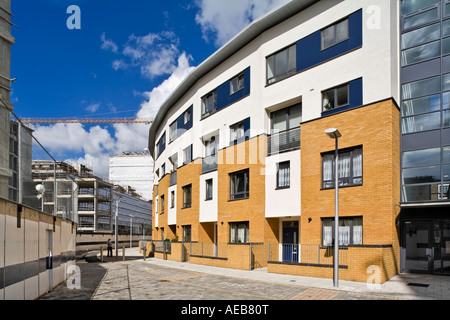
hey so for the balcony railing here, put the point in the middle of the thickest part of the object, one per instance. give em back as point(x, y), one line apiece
point(283, 141)
point(209, 164)
point(173, 178)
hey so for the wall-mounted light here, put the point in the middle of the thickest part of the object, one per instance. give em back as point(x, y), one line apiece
point(309, 219)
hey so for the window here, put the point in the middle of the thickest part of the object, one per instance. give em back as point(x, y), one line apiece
point(350, 231)
point(187, 233)
point(421, 53)
point(287, 118)
point(411, 6)
point(283, 175)
point(209, 104)
point(211, 146)
point(163, 170)
point(172, 199)
point(335, 34)
point(162, 204)
point(237, 133)
point(350, 168)
point(187, 154)
point(282, 64)
point(186, 116)
point(209, 189)
point(161, 145)
point(421, 88)
point(239, 185)
point(239, 232)
point(173, 131)
point(236, 84)
point(187, 191)
point(336, 97)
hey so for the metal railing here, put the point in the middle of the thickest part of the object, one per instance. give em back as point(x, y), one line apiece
point(283, 141)
point(208, 249)
point(315, 254)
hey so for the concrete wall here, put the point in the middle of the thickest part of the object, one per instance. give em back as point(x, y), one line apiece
point(27, 239)
point(93, 241)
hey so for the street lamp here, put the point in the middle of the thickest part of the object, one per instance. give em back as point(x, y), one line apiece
point(335, 134)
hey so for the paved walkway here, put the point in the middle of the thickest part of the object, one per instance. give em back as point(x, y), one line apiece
point(155, 279)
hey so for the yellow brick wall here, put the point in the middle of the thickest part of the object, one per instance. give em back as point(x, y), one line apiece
point(376, 128)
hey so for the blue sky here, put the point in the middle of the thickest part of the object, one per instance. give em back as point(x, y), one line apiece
point(124, 61)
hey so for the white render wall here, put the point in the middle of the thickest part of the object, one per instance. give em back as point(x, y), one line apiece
point(283, 202)
point(374, 62)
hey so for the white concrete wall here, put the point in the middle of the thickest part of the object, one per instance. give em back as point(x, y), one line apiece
point(23, 251)
point(208, 208)
point(171, 212)
point(283, 202)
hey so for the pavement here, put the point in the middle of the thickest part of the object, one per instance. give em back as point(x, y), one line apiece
point(133, 278)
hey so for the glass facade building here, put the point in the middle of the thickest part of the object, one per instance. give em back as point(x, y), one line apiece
point(425, 132)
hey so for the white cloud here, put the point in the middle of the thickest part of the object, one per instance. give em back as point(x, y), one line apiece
point(155, 53)
point(93, 145)
point(93, 107)
point(222, 20)
point(108, 44)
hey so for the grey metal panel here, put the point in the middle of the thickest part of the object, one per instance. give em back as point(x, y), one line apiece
point(421, 70)
point(422, 140)
point(446, 137)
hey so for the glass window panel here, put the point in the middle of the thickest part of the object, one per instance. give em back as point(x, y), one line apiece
point(328, 100)
point(327, 37)
point(447, 9)
point(446, 154)
point(421, 105)
point(281, 62)
point(421, 123)
point(446, 82)
point(342, 95)
point(446, 28)
point(422, 175)
point(292, 58)
point(342, 31)
point(421, 53)
point(421, 18)
point(295, 116)
point(424, 157)
point(446, 46)
point(446, 100)
point(446, 173)
point(270, 67)
point(421, 193)
point(421, 36)
point(409, 6)
point(446, 118)
point(357, 231)
point(421, 88)
point(279, 121)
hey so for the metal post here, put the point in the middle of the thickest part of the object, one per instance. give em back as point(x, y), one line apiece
point(116, 234)
point(131, 231)
point(336, 217)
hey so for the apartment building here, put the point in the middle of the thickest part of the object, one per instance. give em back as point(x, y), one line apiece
point(242, 159)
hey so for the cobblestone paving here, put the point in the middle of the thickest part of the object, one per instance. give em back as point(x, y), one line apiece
point(138, 280)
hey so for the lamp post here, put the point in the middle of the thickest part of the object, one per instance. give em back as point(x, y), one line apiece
point(335, 134)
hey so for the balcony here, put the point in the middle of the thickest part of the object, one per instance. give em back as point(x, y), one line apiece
point(209, 164)
point(284, 141)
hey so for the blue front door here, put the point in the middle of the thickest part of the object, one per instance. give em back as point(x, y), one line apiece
point(290, 241)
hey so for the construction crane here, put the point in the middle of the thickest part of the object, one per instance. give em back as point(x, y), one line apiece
point(85, 120)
